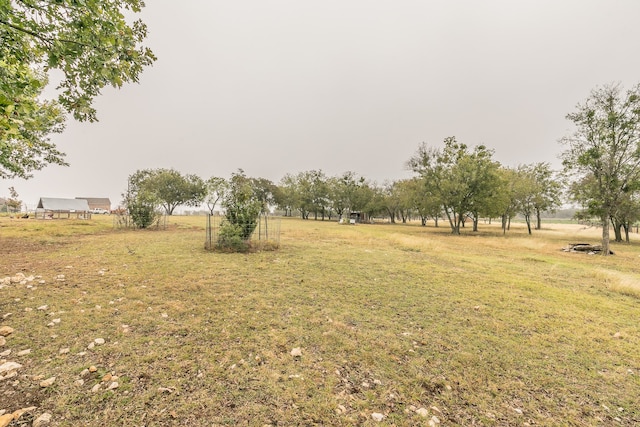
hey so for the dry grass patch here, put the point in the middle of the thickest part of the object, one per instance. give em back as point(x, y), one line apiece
point(480, 329)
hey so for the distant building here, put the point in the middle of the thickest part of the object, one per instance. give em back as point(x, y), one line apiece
point(97, 202)
point(49, 208)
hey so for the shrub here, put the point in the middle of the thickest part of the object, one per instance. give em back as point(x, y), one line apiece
point(231, 238)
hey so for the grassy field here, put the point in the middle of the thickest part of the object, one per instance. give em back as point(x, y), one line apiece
point(402, 323)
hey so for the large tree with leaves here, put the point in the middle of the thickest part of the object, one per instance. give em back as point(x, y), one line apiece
point(171, 188)
point(93, 46)
point(604, 150)
point(464, 179)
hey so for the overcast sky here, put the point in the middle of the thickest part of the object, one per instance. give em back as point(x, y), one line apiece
point(277, 87)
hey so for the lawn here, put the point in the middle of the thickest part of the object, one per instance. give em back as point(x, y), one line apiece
point(342, 325)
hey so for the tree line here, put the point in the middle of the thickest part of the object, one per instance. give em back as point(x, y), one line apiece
point(455, 183)
point(461, 184)
point(95, 44)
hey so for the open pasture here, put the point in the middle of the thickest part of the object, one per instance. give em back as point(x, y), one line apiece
point(343, 325)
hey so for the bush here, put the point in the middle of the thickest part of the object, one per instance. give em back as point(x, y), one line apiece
point(231, 238)
point(142, 210)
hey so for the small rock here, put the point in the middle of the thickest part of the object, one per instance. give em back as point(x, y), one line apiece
point(6, 331)
point(43, 307)
point(114, 385)
point(3, 341)
point(99, 341)
point(48, 382)
point(92, 369)
point(79, 382)
point(165, 390)
point(107, 378)
point(9, 366)
point(617, 335)
point(56, 321)
point(19, 277)
point(434, 421)
point(341, 409)
point(42, 420)
point(95, 388)
point(91, 346)
point(5, 353)
point(64, 350)
point(423, 412)
point(9, 375)
point(296, 352)
point(517, 411)
point(436, 410)
point(23, 352)
point(377, 416)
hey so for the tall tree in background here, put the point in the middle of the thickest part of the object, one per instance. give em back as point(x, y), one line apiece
point(424, 200)
point(287, 195)
point(605, 149)
point(92, 45)
point(172, 189)
point(215, 187)
point(548, 190)
point(462, 178)
point(265, 191)
point(14, 203)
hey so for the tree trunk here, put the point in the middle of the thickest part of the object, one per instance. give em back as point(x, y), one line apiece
point(452, 221)
point(617, 229)
point(527, 218)
point(626, 227)
point(605, 235)
point(475, 223)
point(538, 220)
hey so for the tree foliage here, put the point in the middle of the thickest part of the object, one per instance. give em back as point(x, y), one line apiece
point(215, 188)
point(170, 188)
point(13, 202)
point(463, 179)
point(242, 207)
point(89, 42)
point(604, 151)
point(141, 203)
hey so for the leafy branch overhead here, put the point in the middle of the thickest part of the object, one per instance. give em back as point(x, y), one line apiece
point(89, 42)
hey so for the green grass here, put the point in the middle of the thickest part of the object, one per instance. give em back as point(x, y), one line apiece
point(480, 329)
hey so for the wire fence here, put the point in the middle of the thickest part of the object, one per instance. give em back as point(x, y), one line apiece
point(265, 235)
point(123, 220)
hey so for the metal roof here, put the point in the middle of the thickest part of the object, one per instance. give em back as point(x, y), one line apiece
point(97, 200)
point(53, 204)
